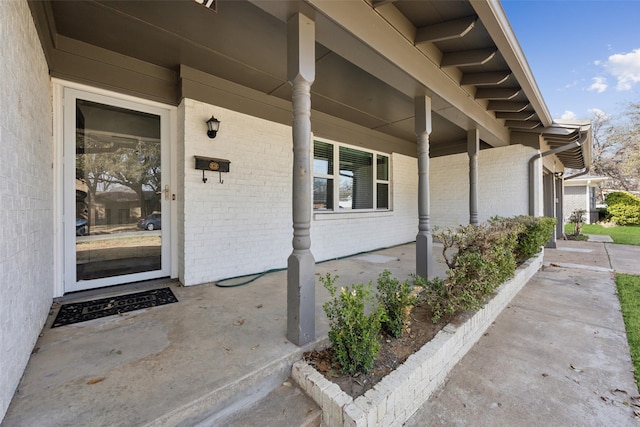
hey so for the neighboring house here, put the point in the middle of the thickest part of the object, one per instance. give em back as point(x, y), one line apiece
point(580, 193)
point(360, 124)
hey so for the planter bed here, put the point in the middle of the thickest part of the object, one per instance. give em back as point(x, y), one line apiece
point(397, 396)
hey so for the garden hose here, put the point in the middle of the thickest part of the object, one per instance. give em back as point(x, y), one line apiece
point(256, 276)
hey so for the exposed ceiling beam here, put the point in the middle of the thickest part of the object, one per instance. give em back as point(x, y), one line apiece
point(445, 30)
point(377, 47)
point(468, 57)
point(519, 124)
point(494, 19)
point(453, 147)
point(523, 115)
point(484, 79)
point(378, 3)
point(497, 93)
point(560, 132)
point(507, 106)
point(447, 148)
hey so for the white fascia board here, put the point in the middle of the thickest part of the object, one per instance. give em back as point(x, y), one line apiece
point(589, 181)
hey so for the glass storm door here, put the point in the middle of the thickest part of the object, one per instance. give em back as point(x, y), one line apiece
point(116, 191)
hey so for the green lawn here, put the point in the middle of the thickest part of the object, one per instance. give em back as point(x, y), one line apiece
point(629, 294)
point(626, 235)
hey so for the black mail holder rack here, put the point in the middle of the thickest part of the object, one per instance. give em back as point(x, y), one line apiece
point(212, 164)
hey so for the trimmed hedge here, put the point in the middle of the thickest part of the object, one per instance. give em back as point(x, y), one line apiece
point(623, 208)
point(480, 258)
point(621, 197)
point(622, 214)
point(533, 233)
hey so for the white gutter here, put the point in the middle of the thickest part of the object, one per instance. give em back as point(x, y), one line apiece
point(584, 172)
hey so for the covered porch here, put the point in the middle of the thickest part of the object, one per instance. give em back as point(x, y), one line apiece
point(204, 357)
point(425, 81)
point(415, 83)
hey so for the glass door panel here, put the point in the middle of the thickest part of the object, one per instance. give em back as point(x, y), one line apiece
point(119, 194)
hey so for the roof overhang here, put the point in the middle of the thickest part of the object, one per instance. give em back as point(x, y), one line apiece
point(577, 135)
point(463, 54)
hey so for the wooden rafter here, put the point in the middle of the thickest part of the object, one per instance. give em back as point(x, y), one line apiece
point(507, 106)
point(468, 57)
point(497, 93)
point(445, 30)
point(483, 79)
point(523, 115)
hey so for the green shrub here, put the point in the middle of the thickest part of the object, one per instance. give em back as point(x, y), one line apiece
point(439, 296)
point(623, 208)
point(577, 219)
point(485, 257)
point(533, 233)
point(353, 333)
point(396, 298)
point(623, 214)
point(621, 197)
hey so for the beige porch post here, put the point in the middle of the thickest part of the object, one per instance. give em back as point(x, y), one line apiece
point(424, 240)
point(473, 147)
point(301, 264)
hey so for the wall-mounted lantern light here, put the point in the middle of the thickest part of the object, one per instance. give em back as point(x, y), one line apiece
point(213, 125)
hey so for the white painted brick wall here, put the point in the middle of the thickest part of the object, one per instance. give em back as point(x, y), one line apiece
point(575, 197)
point(26, 191)
point(502, 185)
point(244, 225)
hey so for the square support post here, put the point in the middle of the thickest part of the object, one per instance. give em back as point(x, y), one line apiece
point(301, 264)
point(473, 148)
point(424, 240)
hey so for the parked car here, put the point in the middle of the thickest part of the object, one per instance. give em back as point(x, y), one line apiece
point(82, 227)
point(151, 222)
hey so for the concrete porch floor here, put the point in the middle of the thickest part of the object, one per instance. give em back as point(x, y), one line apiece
point(198, 360)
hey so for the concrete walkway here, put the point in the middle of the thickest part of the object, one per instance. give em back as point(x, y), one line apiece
point(625, 259)
point(558, 355)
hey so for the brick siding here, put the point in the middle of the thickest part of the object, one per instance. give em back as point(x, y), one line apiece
point(26, 211)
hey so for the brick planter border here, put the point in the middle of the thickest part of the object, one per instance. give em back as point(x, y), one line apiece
point(397, 396)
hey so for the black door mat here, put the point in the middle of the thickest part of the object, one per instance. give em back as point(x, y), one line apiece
point(94, 309)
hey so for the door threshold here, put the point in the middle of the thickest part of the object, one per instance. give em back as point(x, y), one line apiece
point(117, 290)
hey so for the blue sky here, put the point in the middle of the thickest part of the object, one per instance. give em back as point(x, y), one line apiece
point(584, 55)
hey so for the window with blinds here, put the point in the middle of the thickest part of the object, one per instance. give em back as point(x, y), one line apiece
point(360, 182)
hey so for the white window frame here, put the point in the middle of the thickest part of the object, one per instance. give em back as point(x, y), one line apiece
point(336, 178)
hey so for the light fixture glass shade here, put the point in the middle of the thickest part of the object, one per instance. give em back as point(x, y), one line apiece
point(213, 125)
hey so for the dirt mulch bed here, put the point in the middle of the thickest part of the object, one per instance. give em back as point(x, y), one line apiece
point(394, 352)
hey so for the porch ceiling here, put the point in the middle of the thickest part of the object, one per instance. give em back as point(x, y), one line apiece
point(372, 59)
